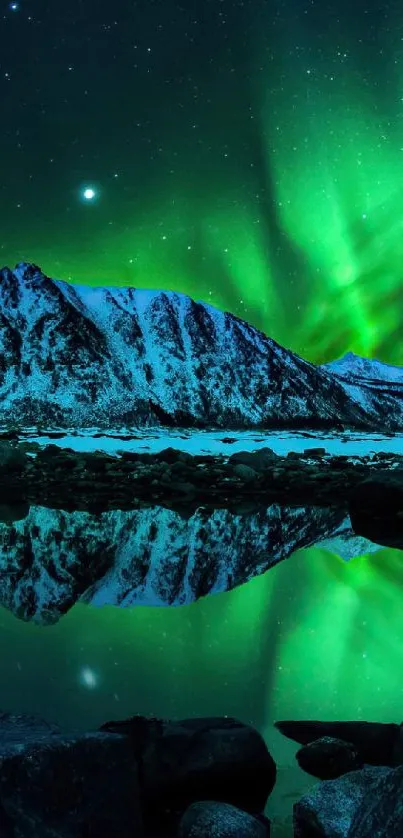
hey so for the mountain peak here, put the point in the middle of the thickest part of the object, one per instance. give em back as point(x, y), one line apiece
point(25, 270)
point(77, 355)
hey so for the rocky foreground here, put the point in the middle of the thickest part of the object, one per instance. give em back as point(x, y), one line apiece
point(144, 777)
point(138, 778)
point(361, 765)
point(63, 478)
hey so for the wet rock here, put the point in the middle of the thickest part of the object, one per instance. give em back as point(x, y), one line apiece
point(212, 819)
point(376, 509)
point(245, 473)
point(10, 512)
point(328, 758)
point(65, 785)
point(314, 452)
point(11, 435)
point(259, 460)
point(197, 759)
point(133, 778)
point(328, 810)
point(375, 742)
point(381, 809)
point(12, 458)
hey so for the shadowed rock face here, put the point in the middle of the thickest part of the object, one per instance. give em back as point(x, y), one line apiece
point(76, 355)
point(376, 743)
point(154, 556)
point(328, 758)
point(361, 803)
point(328, 810)
point(132, 778)
point(381, 812)
point(376, 509)
point(69, 785)
point(197, 759)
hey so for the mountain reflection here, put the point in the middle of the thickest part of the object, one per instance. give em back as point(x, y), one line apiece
point(50, 559)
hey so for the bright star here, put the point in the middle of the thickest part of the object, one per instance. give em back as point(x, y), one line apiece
point(89, 193)
point(14, 6)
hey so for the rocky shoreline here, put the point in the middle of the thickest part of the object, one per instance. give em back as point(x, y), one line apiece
point(145, 777)
point(140, 777)
point(360, 765)
point(63, 478)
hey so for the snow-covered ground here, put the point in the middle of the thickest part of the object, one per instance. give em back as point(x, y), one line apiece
point(218, 442)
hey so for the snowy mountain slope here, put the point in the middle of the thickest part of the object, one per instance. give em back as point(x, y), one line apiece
point(351, 366)
point(83, 356)
point(51, 558)
point(378, 387)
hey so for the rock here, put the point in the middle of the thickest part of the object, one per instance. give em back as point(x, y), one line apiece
point(397, 757)
point(328, 810)
point(328, 758)
point(376, 509)
point(12, 458)
point(314, 452)
point(133, 778)
point(12, 434)
point(259, 460)
point(375, 742)
point(212, 819)
point(59, 785)
point(10, 512)
point(381, 809)
point(197, 759)
point(167, 455)
point(247, 474)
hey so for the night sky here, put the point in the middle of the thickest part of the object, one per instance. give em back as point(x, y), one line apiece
point(246, 152)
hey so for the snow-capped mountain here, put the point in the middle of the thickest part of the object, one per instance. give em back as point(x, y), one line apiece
point(377, 386)
point(51, 558)
point(84, 356)
point(351, 366)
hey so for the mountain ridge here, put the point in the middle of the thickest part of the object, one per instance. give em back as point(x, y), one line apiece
point(74, 354)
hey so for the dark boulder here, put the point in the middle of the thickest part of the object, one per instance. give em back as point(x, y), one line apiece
point(212, 819)
point(10, 512)
point(376, 743)
point(314, 452)
point(58, 785)
point(328, 758)
point(197, 759)
point(376, 509)
point(12, 458)
point(259, 460)
point(328, 809)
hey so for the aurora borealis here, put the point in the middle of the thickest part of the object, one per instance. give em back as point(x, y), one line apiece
point(246, 153)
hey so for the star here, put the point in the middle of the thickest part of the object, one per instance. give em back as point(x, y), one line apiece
point(89, 193)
